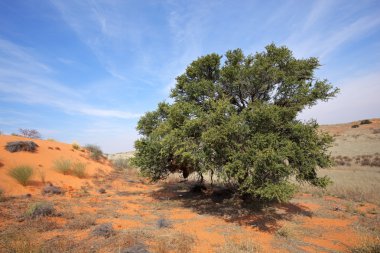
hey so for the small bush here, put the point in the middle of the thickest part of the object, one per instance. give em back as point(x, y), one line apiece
point(75, 146)
point(51, 189)
point(1, 195)
point(81, 222)
point(16, 146)
point(79, 169)
point(63, 166)
point(163, 223)
point(21, 173)
point(284, 232)
point(376, 131)
point(121, 163)
point(366, 121)
point(239, 247)
point(30, 133)
point(95, 152)
point(40, 209)
point(51, 139)
point(367, 248)
point(106, 230)
point(355, 126)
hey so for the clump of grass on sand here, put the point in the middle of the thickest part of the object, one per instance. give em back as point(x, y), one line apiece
point(63, 166)
point(79, 169)
point(21, 173)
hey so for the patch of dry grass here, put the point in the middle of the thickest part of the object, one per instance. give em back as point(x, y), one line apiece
point(174, 242)
point(246, 246)
point(359, 184)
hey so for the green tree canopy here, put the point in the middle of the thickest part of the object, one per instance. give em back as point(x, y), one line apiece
point(238, 121)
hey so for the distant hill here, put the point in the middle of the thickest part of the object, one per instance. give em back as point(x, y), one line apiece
point(355, 138)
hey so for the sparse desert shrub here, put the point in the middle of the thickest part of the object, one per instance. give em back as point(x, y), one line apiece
point(40, 209)
point(376, 131)
point(79, 169)
point(179, 243)
point(51, 189)
point(238, 247)
point(163, 223)
point(30, 133)
point(21, 173)
point(285, 232)
point(1, 195)
point(106, 230)
point(42, 175)
point(120, 163)
point(63, 166)
point(51, 139)
point(366, 162)
point(375, 162)
point(81, 222)
point(355, 126)
point(373, 247)
point(95, 152)
point(75, 146)
point(366, 121)
point(16, 146)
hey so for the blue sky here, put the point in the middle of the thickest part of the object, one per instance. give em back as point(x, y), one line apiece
point(86, 70)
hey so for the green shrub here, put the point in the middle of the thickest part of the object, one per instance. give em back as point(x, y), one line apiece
point(21, 173)
point(95, 152)
point(40, 209)
point(79, 169)
point(63, 166)
point(366, 121)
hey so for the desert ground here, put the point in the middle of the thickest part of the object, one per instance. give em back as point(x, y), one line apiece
point(110, 208)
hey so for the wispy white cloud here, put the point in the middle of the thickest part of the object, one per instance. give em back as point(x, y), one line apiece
point(312, 41)
point(27, 80)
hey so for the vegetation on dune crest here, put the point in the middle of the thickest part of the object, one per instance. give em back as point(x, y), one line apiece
point(238, 121)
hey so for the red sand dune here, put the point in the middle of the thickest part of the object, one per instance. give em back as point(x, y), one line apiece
point(42, 162)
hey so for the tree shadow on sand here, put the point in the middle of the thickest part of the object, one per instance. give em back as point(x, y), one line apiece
point(222, 203)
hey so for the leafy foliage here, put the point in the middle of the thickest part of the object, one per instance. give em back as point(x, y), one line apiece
point(239, 122)
point(21, 173)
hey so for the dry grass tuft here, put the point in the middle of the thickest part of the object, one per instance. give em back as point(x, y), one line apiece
point(174, 242)
point(239, 247)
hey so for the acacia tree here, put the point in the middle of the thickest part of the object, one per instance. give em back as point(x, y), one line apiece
point(239, 122)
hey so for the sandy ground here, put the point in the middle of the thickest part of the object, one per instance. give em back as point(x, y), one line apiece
point(210, 221)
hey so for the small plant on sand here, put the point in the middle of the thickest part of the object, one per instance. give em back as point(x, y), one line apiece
point(40, 209)
point(371, 247)
point(163, 223)
point(238, 247)
point(42, 175)
point(285, 231)
point(75, 146)
point(355, 126)
point(366, 121)
point(106, 230)
point(63, 166)
point(30, 133)
point(1, 195)
point(120, 163)
point(95, 152)
point(79, 169)
point(21, 173)
point(16, 146)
